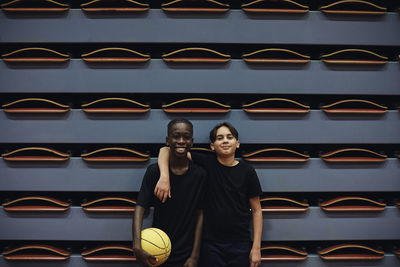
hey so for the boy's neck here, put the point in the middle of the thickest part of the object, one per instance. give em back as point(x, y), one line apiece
point(228, 161)
point(178, 166)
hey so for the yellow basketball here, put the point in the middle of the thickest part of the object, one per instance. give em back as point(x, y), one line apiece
point(156, 242)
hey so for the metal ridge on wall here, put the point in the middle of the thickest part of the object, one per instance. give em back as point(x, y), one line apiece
point(237, 27)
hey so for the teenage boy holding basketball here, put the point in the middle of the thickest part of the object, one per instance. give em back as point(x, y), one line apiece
point(179, 217)
point(233, 189)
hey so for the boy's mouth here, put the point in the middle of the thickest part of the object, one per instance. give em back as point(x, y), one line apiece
point(180, 149)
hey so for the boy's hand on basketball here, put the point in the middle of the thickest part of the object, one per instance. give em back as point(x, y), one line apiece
point(163, 189)
point(144, 258)
point(190, 262)
point(255, 258)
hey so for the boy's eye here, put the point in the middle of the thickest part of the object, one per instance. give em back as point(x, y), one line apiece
point(186, 137)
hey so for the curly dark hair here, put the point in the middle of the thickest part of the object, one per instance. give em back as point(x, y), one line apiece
point(180, 120)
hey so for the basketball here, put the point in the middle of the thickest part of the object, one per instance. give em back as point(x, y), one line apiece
point(156, 242)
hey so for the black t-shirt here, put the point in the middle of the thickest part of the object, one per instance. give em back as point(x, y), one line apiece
point(226, 207)
point(177, 217)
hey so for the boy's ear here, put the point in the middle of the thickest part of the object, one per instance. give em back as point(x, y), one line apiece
point(166, 141)
point(238, 144)
point(212, 146)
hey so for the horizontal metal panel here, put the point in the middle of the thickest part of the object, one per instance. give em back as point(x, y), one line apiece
point(319, 176)
point(75, 224)
point(73, 261)
point(74, 175)
point(312, 260)
point(234, 26)
point(236, 76)
point(313, 128)
point(313, 176)
point(315, 224)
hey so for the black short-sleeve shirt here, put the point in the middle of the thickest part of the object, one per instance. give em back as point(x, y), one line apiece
point(227, 213)
point(178, 215)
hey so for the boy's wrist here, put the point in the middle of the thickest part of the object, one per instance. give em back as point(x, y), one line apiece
point(256, 246)
point(195, 255)
point(137, 243)
point(164, 178)
point(195, 259)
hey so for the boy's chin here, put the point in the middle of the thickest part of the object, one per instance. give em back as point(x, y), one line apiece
point(180, 153)
point(226, 153)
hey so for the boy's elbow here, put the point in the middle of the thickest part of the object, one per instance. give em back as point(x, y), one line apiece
point(257, 211)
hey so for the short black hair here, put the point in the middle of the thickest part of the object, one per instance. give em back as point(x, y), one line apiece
point(213, 132)
point(176, 121)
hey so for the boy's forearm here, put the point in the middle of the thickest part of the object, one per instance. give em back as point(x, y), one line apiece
point(257, 229)
point(137, 226)
point(257, 221)
point(163, 162)
point(197, 236)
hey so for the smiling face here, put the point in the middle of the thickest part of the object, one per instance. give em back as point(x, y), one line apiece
point(225, 143)
point(180, 139)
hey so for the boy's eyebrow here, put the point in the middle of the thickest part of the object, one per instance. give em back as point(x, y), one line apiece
point(229, 134)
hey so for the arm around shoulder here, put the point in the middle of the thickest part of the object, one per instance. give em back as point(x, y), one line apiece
point(163, 189)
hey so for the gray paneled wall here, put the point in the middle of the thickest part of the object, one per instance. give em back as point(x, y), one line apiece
point(315, 127)
point(234, 26)
point(314, 176)
point(314, 224)
point(313, 260)
point(157, 32)
point(234, 77)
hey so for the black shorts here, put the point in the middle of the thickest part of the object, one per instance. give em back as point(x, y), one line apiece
point(217, 254)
